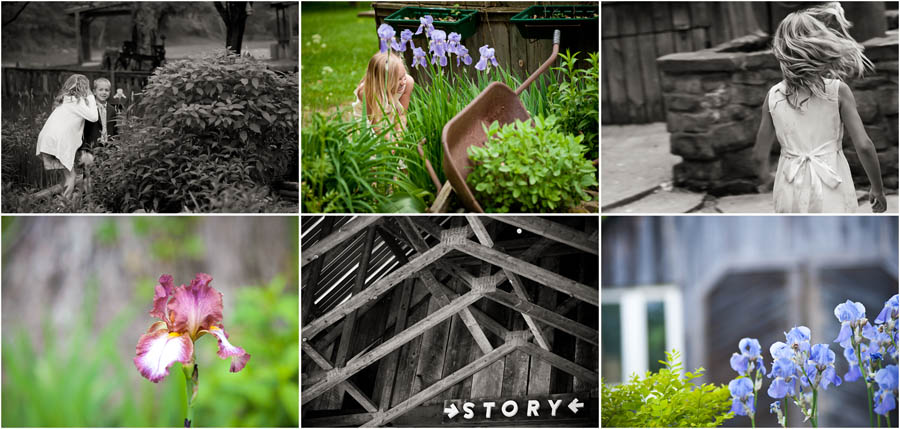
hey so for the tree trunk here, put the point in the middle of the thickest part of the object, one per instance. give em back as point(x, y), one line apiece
point(234, 14)
point(145, 19)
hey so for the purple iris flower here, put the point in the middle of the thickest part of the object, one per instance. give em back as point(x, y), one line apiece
point(453, 43)
point(405, 36)
point(386, 35)
point(426, 23)
point(487, 54)
point(750, 357)
point(785, 383)
point(780, 350)
point(886, 395)
point(821, 364)
point(418, 57)
point(850, 314)
point(462, 53)
point(854, 372)
point(798, 338)
point(890, 310)
point(742, 396)
point(438, 47)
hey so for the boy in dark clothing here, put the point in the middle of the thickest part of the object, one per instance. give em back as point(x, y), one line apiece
point(105, 127)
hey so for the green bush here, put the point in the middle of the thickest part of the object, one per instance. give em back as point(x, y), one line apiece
point(203, 127)
point(665, 399)
point(575, 100)
point(530, 167)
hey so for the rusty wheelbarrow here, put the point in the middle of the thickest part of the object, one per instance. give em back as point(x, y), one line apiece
point(497, 102)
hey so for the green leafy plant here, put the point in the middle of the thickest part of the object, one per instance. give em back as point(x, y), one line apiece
point(665, 399)
point(575, 99)
point(530, 167)
point(349, 168)
point(203, 126)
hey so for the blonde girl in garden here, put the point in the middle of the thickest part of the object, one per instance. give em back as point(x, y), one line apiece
point(61, 135)
point(385, 90)
point(807, 112)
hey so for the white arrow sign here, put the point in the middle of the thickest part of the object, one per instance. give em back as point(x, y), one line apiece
point(575, 405)
point(452, 411)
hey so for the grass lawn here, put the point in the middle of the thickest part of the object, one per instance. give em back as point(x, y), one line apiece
point(334, 61)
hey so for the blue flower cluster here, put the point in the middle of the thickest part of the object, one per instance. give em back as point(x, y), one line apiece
point(440, 45)
point(800, 369)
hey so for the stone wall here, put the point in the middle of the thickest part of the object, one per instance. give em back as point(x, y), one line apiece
point(713, 101)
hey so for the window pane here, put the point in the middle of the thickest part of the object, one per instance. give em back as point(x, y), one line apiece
point(611, 339)
point(656, 334)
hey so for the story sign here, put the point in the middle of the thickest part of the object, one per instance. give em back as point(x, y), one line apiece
point(552, 407)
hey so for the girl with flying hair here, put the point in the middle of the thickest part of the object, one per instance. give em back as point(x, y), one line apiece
point(808, 110)
point(385, 90)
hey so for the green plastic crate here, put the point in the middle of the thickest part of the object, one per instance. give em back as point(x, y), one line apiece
point(465, 25)
point(542, 27)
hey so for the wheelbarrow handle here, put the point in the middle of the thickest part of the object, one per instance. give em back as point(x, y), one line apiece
point(544, 67)
point(428, 166)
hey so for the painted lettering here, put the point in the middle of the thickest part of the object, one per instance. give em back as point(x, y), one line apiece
point(468, 411)
point(514, 406)
point(554, 406)
point(487, 408)
point(533, 405)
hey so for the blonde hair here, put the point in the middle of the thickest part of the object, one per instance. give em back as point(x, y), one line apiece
point(814, 44)
point(100, 80)
point(381, 82)
point(76, 86)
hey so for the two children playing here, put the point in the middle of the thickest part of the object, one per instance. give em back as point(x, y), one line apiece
point(80, 119)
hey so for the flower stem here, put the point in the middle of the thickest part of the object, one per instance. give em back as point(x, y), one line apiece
point(190, 386)
point(815, 417)
point(752, 416)
point(859, 363)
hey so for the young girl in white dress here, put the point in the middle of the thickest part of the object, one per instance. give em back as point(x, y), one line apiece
point(808, 111)
point(61, 135)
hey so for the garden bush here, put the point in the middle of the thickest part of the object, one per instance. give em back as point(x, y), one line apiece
point(531, 167)
point(665, 399)
point(203, 126)
point(575, 99)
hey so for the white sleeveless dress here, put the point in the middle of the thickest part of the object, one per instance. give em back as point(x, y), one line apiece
point(813, 175)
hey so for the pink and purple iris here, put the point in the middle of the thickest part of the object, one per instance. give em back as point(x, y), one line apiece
point(185, 313)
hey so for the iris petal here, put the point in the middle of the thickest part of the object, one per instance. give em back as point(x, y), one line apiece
point(238, 356)
point(195, 307)
point(157, 350)
point(844, 335)
point(164, 290)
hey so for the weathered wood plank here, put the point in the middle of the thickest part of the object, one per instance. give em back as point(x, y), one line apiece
point(519, 289)
point(431, 354)
point(585, 354)
point(409, 355)
point(311, 276)
point(388, 369)
point(480, 231)
point(337, 375)
point(374, 291)
point(539, 375)
point(447, 382)
point(547, 316)
point(350, 320)
point(345, 385)
point(531, 271)
point(562, 363)
point(346, 231)
point(515, 365)
point(552, 230)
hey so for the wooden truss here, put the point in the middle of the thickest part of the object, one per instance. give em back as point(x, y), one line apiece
point(421, 265)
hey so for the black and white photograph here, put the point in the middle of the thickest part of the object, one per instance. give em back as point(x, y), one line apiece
point(749, 107)
point(428, 321)
point(150, 107)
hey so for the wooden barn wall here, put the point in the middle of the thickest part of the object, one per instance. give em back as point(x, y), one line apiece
point(635, 34)
point(685, 250)
point(494, 29)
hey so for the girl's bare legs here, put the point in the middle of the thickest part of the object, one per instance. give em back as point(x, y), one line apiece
point(70, 182)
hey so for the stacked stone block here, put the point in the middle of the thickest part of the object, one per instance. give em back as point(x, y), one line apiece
point(714, 101)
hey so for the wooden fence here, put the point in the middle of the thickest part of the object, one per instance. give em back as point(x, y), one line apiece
point(48, 80)
point(523, 56)
point(635, 34)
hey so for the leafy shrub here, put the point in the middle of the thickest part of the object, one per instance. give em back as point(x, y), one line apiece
point(349, 168)
point(575, 100)
point(203, 127)
point(665, 399)
point(530, 167)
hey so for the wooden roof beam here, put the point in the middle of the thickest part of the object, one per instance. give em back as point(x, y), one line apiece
point(547, 316)
point(373, 292)
point(346, 384)
point(531, 271)
point(562, 363)
point(445, 383)
point(554, 231)
point(356, 364)
point(346, 231)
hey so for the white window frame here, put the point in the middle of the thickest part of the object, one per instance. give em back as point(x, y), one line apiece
point(633, 322)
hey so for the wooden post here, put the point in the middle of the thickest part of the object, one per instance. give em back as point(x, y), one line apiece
point(562, 363)
point(547, 316)
point(346, 385)
point(553, 231)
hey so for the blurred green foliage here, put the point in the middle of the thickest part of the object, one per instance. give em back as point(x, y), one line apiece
point(84, 378)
